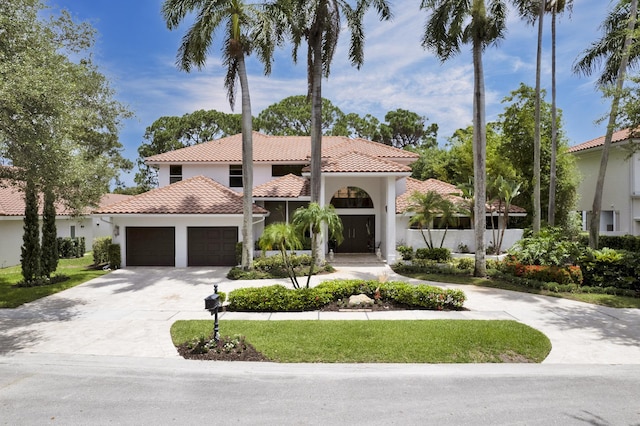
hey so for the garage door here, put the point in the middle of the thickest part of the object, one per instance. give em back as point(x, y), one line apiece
point(212, 246)
point(151, 246)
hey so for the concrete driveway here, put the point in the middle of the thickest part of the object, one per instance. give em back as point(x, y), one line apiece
point(129, 312)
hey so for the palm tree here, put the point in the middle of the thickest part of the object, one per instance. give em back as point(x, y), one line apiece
point(448, 216)
point(448, 27)
point(312, 219)
point(554, 7)
point(426, 206)
point(617, 50)
point(318, 23)
point(283, 237)
point(247, 28)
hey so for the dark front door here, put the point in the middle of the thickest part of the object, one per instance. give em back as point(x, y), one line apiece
point(151, 246)
point(212, 246)
point(358, 232)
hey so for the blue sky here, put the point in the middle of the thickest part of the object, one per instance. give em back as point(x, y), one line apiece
point(137, 53)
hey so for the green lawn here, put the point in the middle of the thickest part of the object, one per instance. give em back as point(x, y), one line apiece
point(78, 271)
point(428, 341)
point(596, 299)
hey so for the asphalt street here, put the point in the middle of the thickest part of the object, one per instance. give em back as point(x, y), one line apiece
point(78, 390)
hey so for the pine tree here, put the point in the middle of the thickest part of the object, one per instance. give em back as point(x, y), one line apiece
point(49, 262)
point(30, 258)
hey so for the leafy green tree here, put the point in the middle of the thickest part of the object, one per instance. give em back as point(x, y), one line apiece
point(292, 117)
point(247, 28)
point(405, 128)
point(312, 218)
point(354, 126)
point(50, 255)
point(283, 237)
point(61, 137)
point(619, 28)
point(517, 126)
point(30, 250)
point(171, 132)
point(451, 24)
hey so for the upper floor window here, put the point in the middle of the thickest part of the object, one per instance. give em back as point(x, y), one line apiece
point(175, 173)
point(235, 176)
point(285, 169)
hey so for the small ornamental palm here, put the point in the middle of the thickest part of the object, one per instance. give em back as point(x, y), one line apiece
point(283, 237)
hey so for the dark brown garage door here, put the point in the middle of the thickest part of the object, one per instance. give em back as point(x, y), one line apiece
point(211, 246)
point(151, 246)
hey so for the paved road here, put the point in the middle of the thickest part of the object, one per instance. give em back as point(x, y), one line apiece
point(129, 312)
point(79, 390)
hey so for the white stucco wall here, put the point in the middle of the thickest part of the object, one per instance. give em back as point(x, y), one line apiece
point(455, 237)
point(217, 172)
point(11, 231)
point(617, 193)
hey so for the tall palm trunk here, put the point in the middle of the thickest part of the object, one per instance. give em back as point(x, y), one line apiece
point(594, 225)
point(247, 167)
point(317, 254)
point(551, 214)
point(479, 160)
point(536, 138)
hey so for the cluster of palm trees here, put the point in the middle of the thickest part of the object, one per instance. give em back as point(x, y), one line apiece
point(260, 28)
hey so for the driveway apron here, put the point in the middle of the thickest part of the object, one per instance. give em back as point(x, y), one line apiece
point(129, 312)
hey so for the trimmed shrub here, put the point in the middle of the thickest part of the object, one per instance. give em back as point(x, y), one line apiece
point(611, 268)
point(406, 252)
point(273, 267)
point(115, 259)
point(442, 254)
point(101, 250)
point(280, 298)
point(619, 242)
point(69, 248)
point(542, 273)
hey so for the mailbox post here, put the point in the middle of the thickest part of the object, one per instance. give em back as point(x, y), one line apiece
point(212, 304)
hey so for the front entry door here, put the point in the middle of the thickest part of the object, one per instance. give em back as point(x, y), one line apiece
point(358, 232)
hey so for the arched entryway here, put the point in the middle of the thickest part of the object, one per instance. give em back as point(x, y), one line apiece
point(358, 229)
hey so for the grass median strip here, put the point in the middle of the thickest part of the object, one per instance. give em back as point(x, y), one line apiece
point(428, 341)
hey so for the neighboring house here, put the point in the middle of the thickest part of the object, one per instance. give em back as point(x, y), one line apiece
point(620, 211)
point(12, 221)
point(195, 216)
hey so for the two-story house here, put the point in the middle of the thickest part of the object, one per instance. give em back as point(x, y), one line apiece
point(194, 218)
point(620, 211)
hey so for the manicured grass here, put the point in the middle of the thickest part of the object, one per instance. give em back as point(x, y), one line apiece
point(428, 341)
point(78, 271)
point(596, 299)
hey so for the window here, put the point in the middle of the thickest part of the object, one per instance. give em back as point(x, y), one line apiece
point(175, 173)
point(235, 176)
point(351, 198)
point(285, 169)
point(72, 231)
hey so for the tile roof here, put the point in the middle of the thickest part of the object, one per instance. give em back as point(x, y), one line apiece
point(12, 201)
point(196, 195)
point(275, 149)
point(619, 136)
point(357, 162)
point(289, 186)
point(445, 189)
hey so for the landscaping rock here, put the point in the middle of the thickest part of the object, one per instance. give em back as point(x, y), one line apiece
point(360, 300)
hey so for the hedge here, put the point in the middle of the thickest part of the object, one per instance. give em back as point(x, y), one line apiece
point(438, 254)
point(611, 268)
point(69, 248)
point(279, 298)
point(101, 250)
point(621, 242)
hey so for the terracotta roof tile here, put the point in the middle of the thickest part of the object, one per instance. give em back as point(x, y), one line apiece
point(619, 136)
point(268, 148)
point(289, 186)
point(443, 188)
point(197, 195)
point(12, 201)
point(356, 162)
